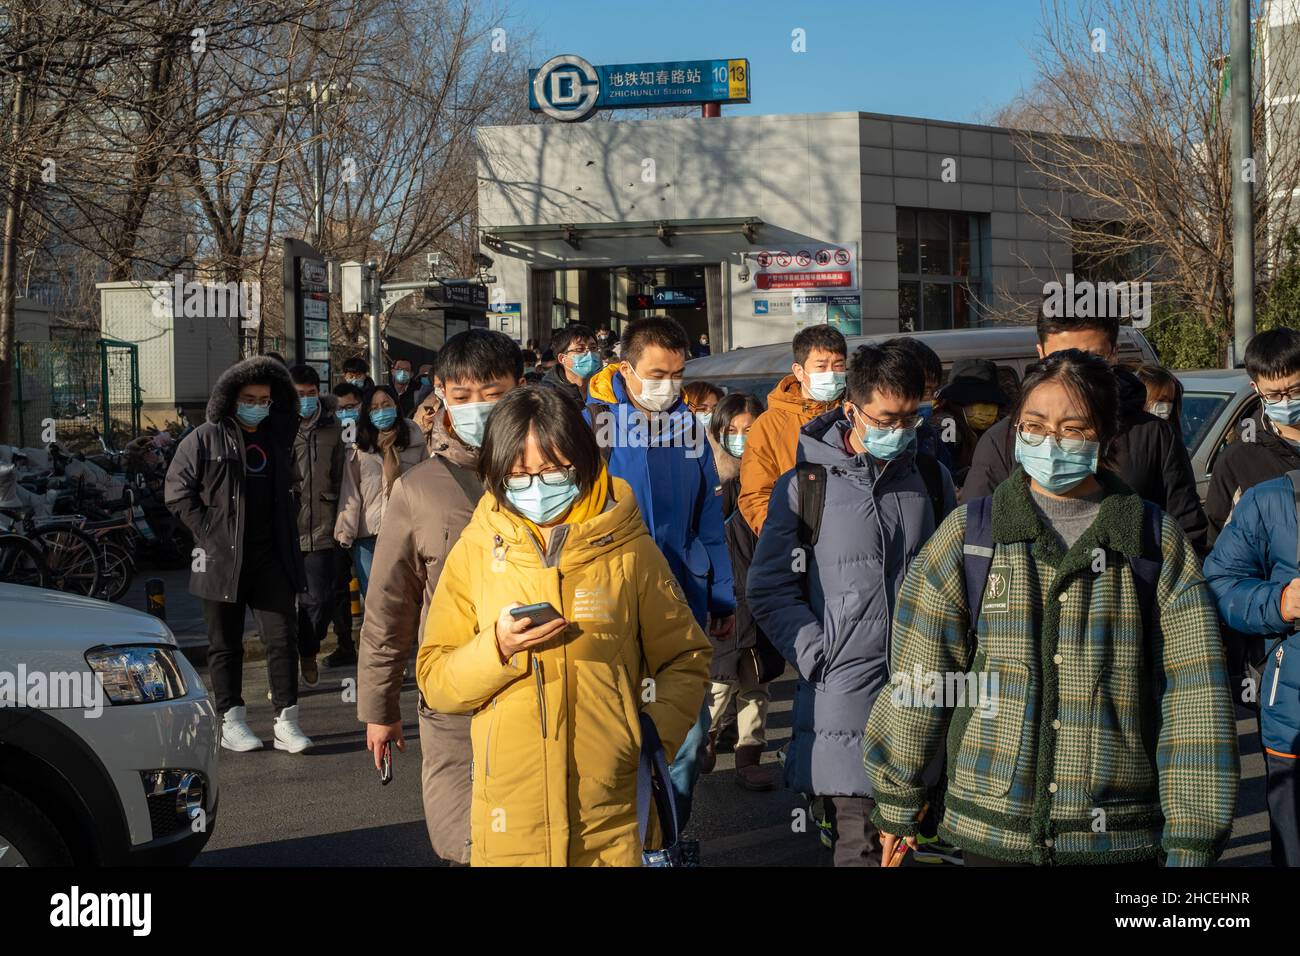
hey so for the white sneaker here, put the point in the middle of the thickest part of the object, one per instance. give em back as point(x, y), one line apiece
point(288, 735)
point(235, 732)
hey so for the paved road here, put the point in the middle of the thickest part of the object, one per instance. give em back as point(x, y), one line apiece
point(327, 808)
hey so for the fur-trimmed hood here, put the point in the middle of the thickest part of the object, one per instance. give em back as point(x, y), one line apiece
point(284, 397)
point(728, 467)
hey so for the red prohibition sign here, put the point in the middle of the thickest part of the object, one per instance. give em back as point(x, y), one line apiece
point(783, 259)
point(842, 256)
point(764, 260)
point(823, 257)
point(803, 258)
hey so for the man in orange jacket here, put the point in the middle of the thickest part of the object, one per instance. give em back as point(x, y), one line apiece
point(813, 388)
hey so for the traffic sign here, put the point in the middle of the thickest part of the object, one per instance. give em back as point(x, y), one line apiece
point(569, 89)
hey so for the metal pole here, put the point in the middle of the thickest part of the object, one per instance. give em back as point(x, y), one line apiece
point(318, 213)
point(1243, 210)
point(376, 350)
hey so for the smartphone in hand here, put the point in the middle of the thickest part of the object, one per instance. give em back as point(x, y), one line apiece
point(543, 613)
point(386, 764)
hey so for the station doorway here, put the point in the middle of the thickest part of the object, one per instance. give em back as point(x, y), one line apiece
point(617, 295)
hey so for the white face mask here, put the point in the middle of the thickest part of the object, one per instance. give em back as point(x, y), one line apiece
point(1162, 410)
point(659, 394)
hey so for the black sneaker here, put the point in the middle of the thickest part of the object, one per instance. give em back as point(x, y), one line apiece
point(340, 658)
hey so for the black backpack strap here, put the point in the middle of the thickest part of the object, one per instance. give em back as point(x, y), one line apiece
point(977, 554)
point(811, 479)
point(1146, 567)
point(928, 466)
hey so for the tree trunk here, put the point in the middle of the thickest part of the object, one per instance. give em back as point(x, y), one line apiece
point(9, 257)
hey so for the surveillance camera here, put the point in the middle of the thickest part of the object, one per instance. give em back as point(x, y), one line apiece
point(481, 261)
point(743, 275)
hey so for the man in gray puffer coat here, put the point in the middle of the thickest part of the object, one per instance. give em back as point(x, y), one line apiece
point(826, 599)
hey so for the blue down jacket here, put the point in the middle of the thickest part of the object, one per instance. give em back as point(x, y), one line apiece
point(832, 621)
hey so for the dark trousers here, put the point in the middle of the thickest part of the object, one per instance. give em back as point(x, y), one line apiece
point(855, 841)
point(974, 859)
point(1283, 809)
point(265, 588)
point(343, 597)
point(318, 607)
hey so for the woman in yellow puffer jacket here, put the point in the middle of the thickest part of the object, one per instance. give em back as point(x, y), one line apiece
point(556, 730)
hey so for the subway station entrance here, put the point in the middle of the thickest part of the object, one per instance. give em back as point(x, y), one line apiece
point(620, 294)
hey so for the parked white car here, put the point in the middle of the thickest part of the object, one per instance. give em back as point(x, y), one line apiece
point(108, 738)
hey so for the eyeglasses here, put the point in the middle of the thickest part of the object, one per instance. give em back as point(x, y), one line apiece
point(1273, 398)
point(1073, 440)
point(577, 350)
point(907, 421)
point(259, 402)
point(552, 477)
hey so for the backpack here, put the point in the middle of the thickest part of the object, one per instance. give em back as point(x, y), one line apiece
point(977, 558)
point(812, 494)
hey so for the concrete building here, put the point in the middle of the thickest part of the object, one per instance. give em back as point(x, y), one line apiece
point(748, 227)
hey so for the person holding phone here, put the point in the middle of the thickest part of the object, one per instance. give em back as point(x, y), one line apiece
point(557, 692)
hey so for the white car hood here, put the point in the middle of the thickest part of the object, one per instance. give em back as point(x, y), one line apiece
point(54, 621)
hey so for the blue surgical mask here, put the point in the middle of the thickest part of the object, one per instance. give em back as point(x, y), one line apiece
point(734, 444)
point(887, 444)
point(348, 414)
point(1055, 469)
point(252, 415)
point(826, 386)
point(541, 503)
point(358, 380)
point(925, 410)
point(470, 420)
point(704, 418)
point(307, 405)
point(424, 380)
point(383, 418)
point(1286, 412)
point(586, 364)
point(401, 376)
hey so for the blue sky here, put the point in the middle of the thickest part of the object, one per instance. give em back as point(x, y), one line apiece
point(940, 59)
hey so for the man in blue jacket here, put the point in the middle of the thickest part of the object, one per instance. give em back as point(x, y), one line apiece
point(822, 586)
point(1252, 571)
point(654, 443)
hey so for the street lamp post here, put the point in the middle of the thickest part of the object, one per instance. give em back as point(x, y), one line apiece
point(1243, 209)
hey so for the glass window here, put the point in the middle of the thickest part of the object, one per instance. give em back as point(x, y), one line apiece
point(907, 241)
point(1200, 409)
point(936, 306)
point(961, 260)
point(934, 242)
point(909, 298)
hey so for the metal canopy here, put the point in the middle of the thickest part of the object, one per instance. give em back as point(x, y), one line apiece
point(662, 229)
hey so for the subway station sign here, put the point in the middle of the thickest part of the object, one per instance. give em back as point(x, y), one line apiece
point(569, 89)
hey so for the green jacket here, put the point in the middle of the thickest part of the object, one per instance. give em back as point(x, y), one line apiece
point(1097, 744)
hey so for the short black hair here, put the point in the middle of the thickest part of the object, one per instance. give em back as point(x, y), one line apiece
point(548, 355)
point(825, 338)
point(368, 434)
point(658, 331)
point(696, 392)
point(480, 355)
point(732, 405)
point(1273, 354)
point(530, 358)
point(929, 359)
point(343, 389)
point(561, 432)
point(1087, 378)
point(884, 367)
point(1056, 324)
point(304, 375)
point(278, 357)
point(356, 364)
point(562, 339)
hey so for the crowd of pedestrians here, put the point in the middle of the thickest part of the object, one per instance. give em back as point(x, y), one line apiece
point(1017, 636)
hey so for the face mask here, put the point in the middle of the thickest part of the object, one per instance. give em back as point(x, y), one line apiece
point(541, 503)
point(470, 420)
point(1286, 412)
point(307, 405)
point(349, 414)
point(424, 380)
point(1162, 410)
point(358, 382)
point(704, 418)
point(1055, 469)
point(981, 415)
point(925, 410)
point(401, 376)
point(887, 444)
point(383, 418)
point(585, 365)
point(826, 386)
point(252, 415)
point(734, 444)
point(659, 394)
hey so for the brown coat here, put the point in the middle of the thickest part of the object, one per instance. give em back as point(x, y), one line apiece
point(429, 507)
point(770, 448)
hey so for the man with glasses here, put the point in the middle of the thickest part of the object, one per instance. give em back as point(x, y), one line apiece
point(235, 485)
point(841, 529)
point(577, 359)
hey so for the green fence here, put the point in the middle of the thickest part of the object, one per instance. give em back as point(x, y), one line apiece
point(69, 389)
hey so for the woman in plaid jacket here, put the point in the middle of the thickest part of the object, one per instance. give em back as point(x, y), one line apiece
point(1080, 727)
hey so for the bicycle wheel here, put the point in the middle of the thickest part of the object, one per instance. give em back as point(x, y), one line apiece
point(71, 559)
point(21, 562)
point(117, 570)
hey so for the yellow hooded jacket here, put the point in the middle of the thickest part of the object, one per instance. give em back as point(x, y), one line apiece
point(555, 733)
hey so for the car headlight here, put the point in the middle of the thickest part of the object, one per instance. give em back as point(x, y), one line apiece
point(137, 675)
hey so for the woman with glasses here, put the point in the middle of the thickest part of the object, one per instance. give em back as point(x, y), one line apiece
point(559, 690)
point(1060, 639)
point(701, 399)
point(387, 445)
